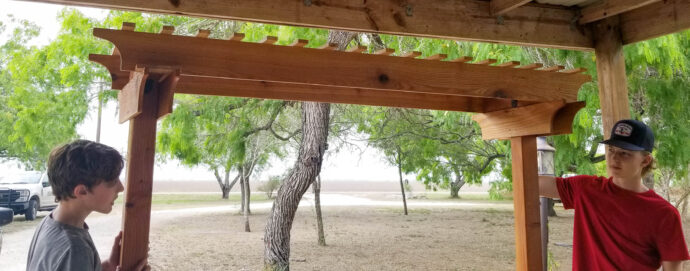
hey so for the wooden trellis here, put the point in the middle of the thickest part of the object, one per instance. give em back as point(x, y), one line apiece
point(516, 102)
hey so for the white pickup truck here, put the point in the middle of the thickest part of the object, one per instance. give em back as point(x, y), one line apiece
point(26, 192)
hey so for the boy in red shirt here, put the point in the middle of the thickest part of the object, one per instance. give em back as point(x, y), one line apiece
point(619, 223)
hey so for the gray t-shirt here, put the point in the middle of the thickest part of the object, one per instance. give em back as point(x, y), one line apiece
point(58, 246)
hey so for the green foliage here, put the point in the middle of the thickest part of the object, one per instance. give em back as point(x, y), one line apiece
point(45, 91)
point(271, 186)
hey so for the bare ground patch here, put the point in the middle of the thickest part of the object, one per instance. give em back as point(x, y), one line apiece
point(358, 238)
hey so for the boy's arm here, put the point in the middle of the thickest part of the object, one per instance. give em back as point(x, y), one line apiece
point(547, 187)
point(672, 266)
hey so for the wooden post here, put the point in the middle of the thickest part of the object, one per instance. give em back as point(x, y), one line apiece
point(526, 202)
point(140, 158)
point(613, 89)
point(156, 102)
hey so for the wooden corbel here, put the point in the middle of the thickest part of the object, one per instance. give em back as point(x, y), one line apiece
point(166, 91)
point(112, 62)
point(131, 97)
point(540, 119)
point(141, 80)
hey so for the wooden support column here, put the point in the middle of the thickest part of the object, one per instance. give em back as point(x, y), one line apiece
point(155, 92)
point(526, 201)
point(613, 89)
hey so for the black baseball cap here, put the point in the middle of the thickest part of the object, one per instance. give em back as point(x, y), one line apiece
point(631, 135)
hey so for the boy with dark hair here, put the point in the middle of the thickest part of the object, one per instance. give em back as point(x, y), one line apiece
point(84, 176)
point(619, 223)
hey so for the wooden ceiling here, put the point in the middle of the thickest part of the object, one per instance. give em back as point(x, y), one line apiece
point(520, 22)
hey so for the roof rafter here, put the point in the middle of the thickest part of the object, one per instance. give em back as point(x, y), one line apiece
point(530, 25)
point(655, 20)
point(608, 8)
point(500, 7)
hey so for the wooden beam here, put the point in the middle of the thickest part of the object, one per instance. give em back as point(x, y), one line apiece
point(608, 8)
point(301, 92)
point(330, 94)
point(486, 61)
point(203, 33)
point(500, 7)
point(137, 204)
point(253, 61)
point(531, 66)
point(526, 203)
point(613, 89)
point(536, 119)
point(509, 64)
point(471, 20)
point(437, 57)
point(655, 20)
point(574, 71)
point(385, 51)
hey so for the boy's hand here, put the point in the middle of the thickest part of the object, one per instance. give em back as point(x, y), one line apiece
point(114, 259)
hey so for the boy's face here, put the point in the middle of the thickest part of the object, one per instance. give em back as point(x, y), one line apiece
point(622, 163)
point(102, 196)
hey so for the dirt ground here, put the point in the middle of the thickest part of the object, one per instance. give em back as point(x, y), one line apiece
point(363, 232)
point(358, 238)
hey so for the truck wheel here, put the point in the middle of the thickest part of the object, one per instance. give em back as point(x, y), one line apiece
point(30, 213)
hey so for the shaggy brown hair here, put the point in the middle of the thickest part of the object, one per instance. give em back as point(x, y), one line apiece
point(652, 165)
point(82, 162)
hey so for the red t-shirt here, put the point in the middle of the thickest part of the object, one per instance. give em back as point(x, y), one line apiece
point(617, 229)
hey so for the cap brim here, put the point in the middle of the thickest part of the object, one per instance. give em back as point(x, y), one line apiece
point(622, 144)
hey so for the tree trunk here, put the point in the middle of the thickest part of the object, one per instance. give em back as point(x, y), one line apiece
point(457, 183)
point(402, 186)
point(245, 209)
point(224, 184)
point(317, 205)
point(315, 117)
point(242, 191)
point(455, 187)
point(100, 113)
point(248, 193)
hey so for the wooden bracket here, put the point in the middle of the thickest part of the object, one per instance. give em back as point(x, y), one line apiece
point(166, 91)
point(131, 96)
point(549, 118)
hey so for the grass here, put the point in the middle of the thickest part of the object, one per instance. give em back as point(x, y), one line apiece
point(198, 199)
point(445, 196)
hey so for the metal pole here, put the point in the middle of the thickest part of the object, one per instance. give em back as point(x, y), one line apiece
point(546, 168)
point(544, 207)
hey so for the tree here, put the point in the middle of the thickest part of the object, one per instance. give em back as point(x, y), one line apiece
point(444, 149)
point(225, 134)
point(315, 127)
point(308, 165)
point(45, 91)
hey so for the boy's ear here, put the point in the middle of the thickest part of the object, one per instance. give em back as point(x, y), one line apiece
point(80, 190)
point(647, 160)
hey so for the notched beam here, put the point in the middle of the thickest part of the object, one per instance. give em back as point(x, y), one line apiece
point(267, 62)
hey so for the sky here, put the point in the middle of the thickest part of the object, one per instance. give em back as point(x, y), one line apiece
point(348, 164)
